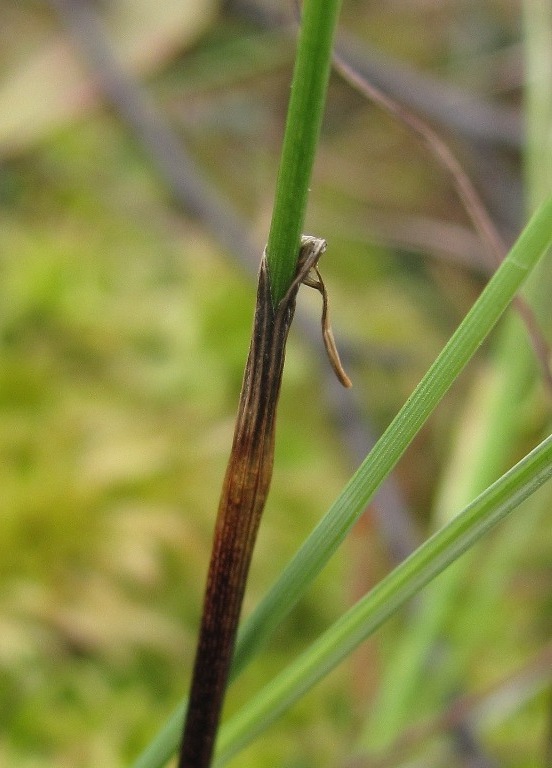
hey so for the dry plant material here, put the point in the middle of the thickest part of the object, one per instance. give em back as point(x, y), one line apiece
point(470, 199)
point(243, 498)
point(314, 280)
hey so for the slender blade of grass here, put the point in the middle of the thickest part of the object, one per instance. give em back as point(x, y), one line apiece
point(391, 593)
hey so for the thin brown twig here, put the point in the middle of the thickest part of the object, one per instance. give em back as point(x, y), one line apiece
point(467, 114)
point(475, 209)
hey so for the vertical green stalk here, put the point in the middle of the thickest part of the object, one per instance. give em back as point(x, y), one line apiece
point(305, 112)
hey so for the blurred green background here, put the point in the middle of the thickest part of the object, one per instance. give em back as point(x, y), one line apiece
point(124, 326)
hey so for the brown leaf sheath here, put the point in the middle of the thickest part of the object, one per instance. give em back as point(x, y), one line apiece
point(241, 505)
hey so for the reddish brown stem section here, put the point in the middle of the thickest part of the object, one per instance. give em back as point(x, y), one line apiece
point(241, 505)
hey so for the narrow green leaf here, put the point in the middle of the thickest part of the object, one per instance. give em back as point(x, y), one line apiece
point(391, 593)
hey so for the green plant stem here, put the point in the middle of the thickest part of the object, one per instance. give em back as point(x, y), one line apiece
point(304, 118)
point(391, 593)
point(324, 540)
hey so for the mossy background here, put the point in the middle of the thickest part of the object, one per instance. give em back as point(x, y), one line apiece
point(123, 334)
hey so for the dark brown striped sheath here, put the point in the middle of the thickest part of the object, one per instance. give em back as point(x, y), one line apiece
point(243, 497)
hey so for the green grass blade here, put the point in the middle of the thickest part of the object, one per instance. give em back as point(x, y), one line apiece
point(370, 612)
point(163, 746)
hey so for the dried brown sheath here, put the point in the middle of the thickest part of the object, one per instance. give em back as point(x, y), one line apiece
point(241, 504)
